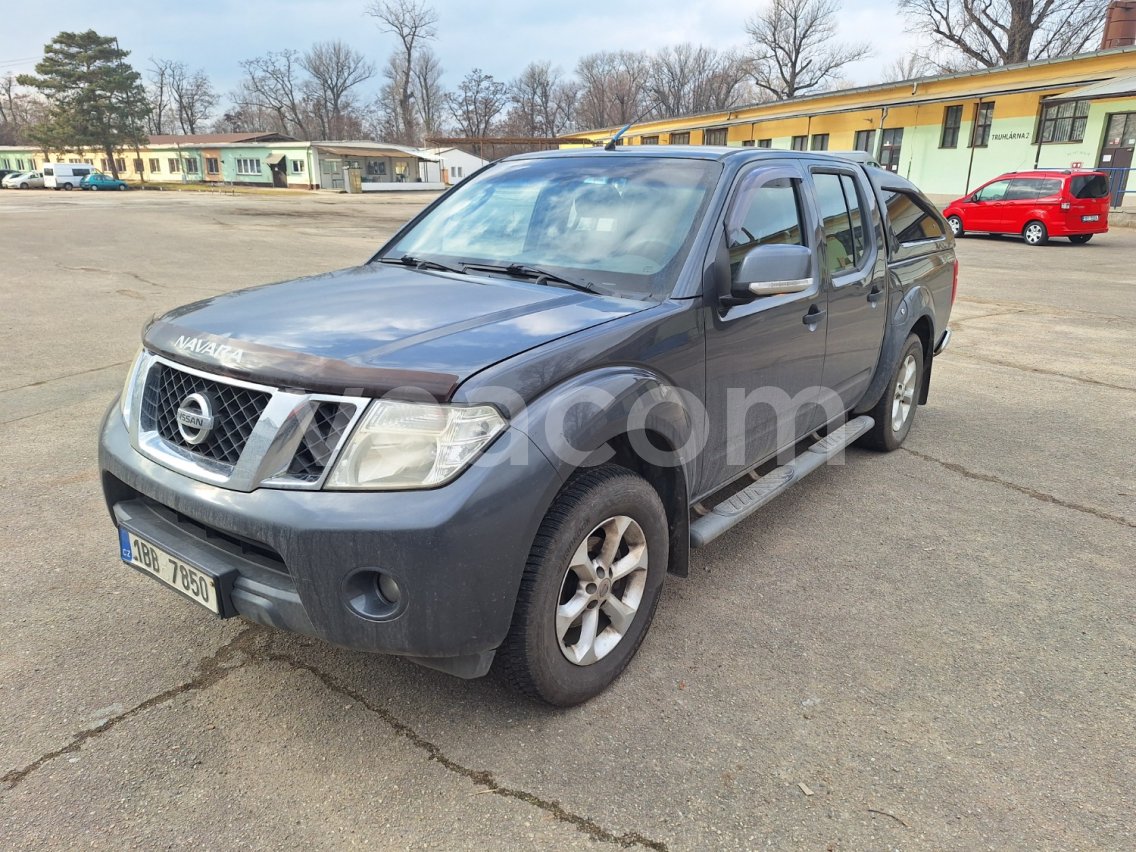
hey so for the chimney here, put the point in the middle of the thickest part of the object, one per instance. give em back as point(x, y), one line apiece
point(1119, 24)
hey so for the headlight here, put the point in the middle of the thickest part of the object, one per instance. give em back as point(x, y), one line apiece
point(413, 445)
point(126, 398)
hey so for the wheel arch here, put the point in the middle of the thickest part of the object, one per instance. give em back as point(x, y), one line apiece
point(644, 426)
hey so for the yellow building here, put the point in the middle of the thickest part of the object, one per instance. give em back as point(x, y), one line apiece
point(949, 133)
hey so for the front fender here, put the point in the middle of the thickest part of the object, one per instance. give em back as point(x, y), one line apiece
point(574, 421)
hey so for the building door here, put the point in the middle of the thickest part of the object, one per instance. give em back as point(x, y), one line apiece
point(1116, 153)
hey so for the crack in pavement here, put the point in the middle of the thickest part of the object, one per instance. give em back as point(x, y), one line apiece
point(1022, 489)
point(1041, 371)
point(40, 382)
point(133, 275)
point(209, 671)
point(482, 778)
point(241, 651)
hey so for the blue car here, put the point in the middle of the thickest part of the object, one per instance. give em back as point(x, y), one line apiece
point(97, 180)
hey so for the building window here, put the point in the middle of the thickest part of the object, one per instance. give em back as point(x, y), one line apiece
point(138, 167)
point(891, 141)
point(680, 138)
point(297, 167)
point(121, 163)
point(649, 140)
point(819, 142)
point(983, 118)
point(864, 140)
point(800, 143)
point(175, 165)
point(714, 136)
point(747, 143)
point(212, 165)
point(103, 164)
point(1063, 122)
point(155, 164)
point(191, 165)
point(248, 166)
point(764, 143)
point(952, 121)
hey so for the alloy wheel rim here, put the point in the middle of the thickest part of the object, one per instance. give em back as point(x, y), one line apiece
point(904, 396)
point(602, 590)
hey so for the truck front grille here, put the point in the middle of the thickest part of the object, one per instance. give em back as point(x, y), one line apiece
point(235, 411)
point(320, 440)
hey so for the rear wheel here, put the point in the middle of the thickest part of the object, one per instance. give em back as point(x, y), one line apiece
point(93, 188)
point(1080, 239)
point(956, 225)
point(589, 589)
point(895, 412)
point(1035, 234)
point(67, 187)
point(121, 187)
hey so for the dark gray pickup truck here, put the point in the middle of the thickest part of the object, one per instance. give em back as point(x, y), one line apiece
point(493, 441)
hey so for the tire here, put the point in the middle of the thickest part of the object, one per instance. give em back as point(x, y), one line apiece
point(895, 412)
point(67, 187)
point(956, 226)
point(1035, 233)
point(24, 185)
point(93, 188)
point(121, 187)
point(548, 657)
point(1080, 239)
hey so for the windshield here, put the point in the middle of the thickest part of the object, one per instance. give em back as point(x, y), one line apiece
point(620, 225)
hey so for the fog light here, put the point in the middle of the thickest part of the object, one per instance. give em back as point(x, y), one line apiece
point(373, 594)
point(389, 589)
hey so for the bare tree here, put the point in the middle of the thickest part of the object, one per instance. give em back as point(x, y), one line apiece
point(477, 103)
point(335, 69)
point(412, 22)
point(542, 101)
point(429, 95)
point(990, 33)
point(274, 84)
point(794, 47)
point(907, 67)
point(613, 88)
point(20, 110)
point(194, 98)
point(158, 93)
point(687, 78)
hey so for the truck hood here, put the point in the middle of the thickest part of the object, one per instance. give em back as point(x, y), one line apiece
point(374, 329)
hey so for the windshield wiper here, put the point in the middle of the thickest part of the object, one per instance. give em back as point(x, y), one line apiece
point(541, 276)
point(421, 263)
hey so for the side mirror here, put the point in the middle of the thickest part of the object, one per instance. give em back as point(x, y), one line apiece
point(772, 270)
point(974, 199)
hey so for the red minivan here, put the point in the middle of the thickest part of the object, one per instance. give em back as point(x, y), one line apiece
point(1038, 205)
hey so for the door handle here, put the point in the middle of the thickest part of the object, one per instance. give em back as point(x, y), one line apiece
point(813, 317)
point(874, 295)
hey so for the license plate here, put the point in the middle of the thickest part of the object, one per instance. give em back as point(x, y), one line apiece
point(194, 584)
point(1090, 218)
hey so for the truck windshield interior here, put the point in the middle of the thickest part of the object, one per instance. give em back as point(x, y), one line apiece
point(619, 225)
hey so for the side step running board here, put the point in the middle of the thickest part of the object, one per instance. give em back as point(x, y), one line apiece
point(735, 509)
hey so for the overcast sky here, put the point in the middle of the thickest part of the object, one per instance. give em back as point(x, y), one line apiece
point(499, 36)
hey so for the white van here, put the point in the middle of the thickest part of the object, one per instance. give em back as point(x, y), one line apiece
point(65, 175)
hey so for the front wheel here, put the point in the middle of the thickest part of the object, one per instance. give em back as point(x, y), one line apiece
point(1035, 234)
point(1080, 239)
point(895, 412)
point(24, 185)
point(589, 588)
point(956, 225)
point(93, 188)
point(121, 187)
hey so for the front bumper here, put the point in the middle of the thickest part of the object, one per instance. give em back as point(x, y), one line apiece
point(456, 552)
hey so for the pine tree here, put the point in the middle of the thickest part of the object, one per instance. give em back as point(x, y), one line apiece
point(96, 99)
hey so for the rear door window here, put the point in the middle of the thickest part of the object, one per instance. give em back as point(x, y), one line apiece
point(911, 219)
point(843, 217)
point(1025, 189)
point(1089, 186)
